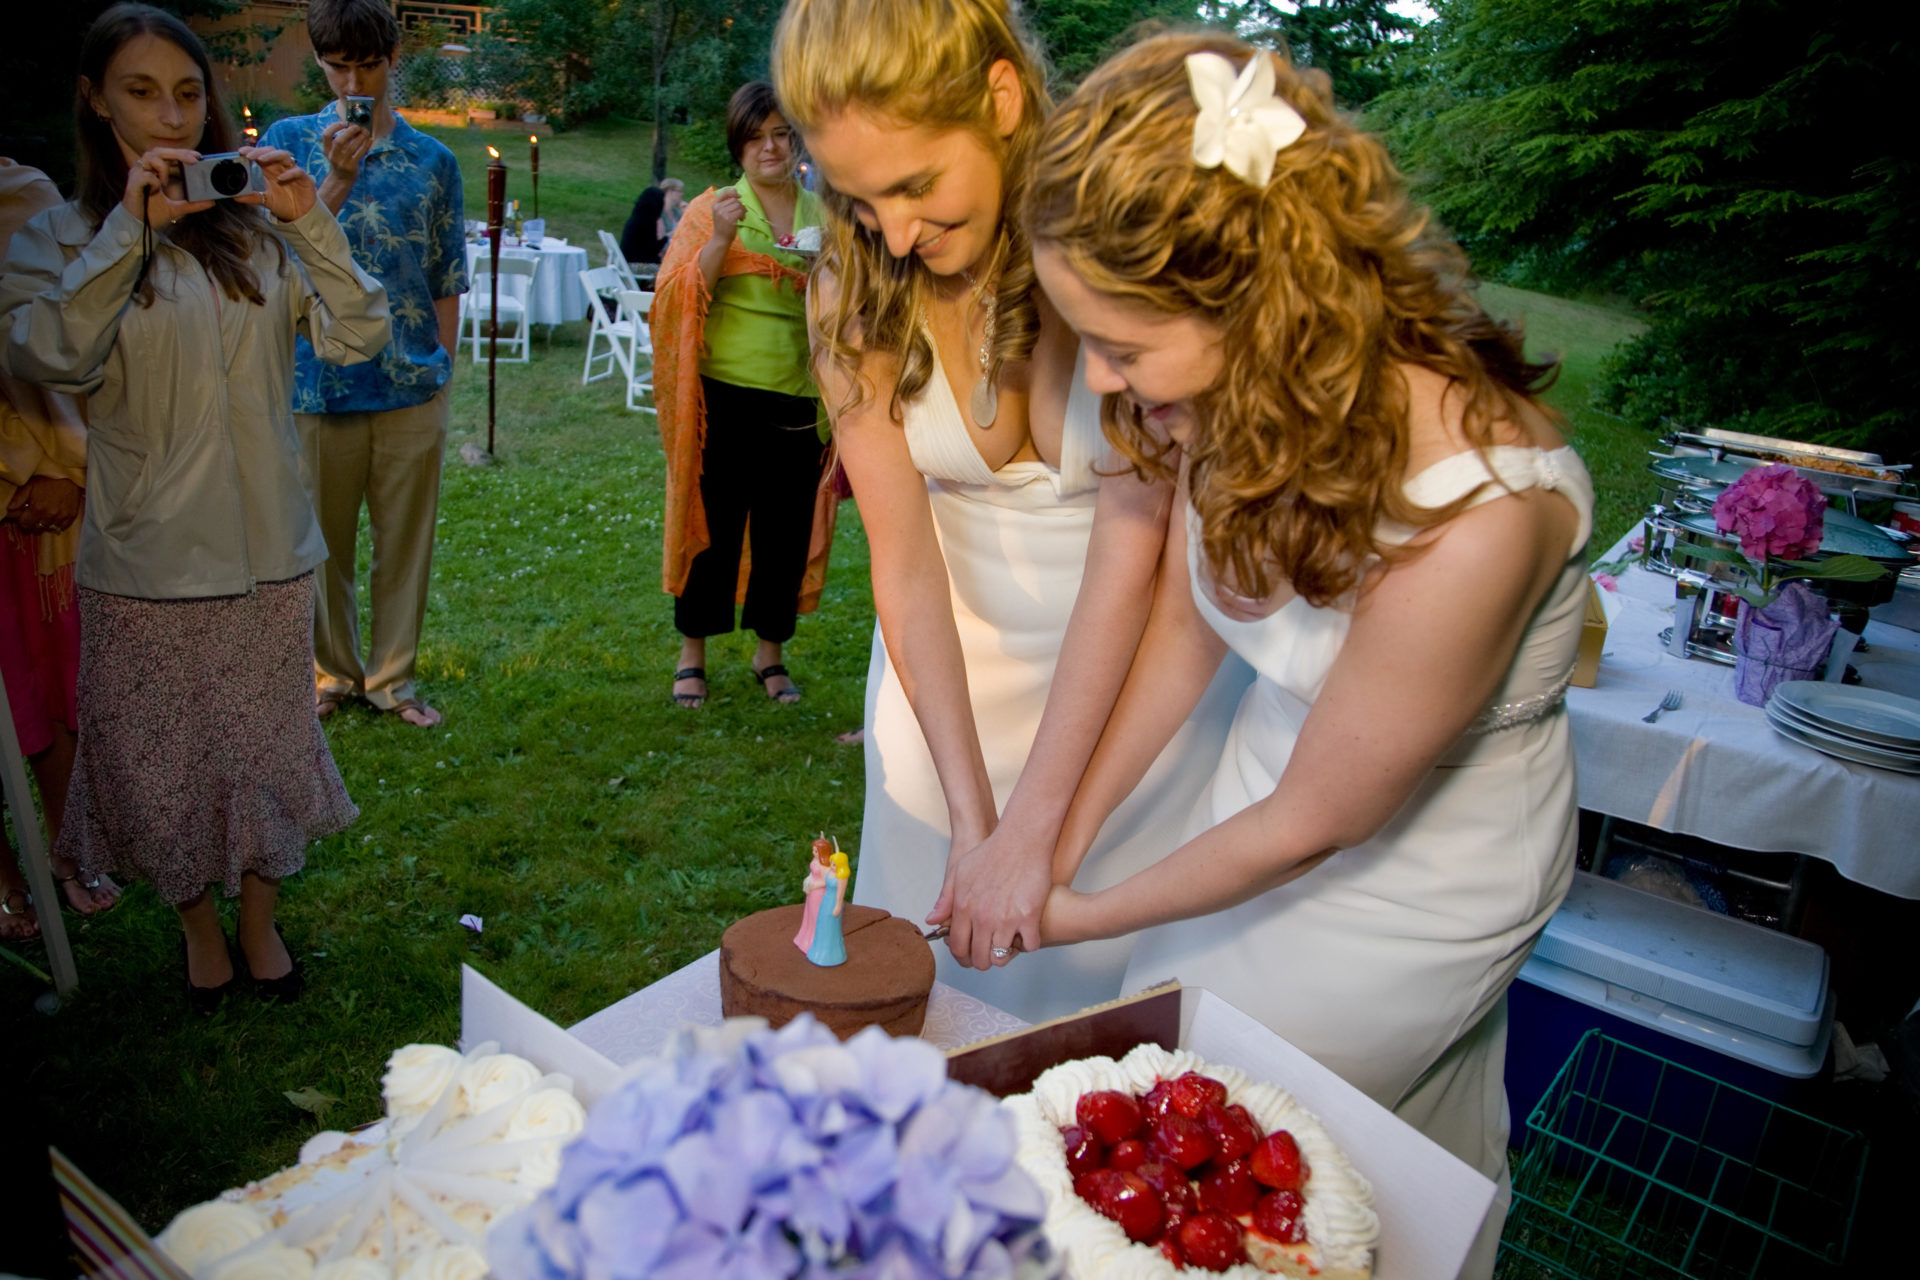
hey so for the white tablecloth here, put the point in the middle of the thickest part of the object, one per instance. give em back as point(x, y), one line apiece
point(557, 295)
point(641, 1024)
point(1716, 769)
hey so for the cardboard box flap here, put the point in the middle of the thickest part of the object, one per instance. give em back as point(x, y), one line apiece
point(1010, 1063)
point(489, 1013)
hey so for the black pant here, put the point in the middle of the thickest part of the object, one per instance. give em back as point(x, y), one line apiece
point(762, 459)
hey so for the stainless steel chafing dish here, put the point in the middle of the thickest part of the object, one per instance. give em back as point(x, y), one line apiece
point(1851, 479)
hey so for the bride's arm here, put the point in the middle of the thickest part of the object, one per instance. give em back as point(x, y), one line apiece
point(911, 592)
point(1428, 646)
point(995, 893)
point(1175, 661)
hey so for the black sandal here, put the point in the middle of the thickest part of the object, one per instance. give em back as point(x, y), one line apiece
point(691, 701)
point(764, 674)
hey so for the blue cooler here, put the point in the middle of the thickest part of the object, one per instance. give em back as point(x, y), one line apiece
point(1743, 1004)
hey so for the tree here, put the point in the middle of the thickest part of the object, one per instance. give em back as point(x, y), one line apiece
point(1737, 174)
point(1350, 40)
point(1078, 35)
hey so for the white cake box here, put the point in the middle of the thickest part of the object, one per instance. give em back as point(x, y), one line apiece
point(488, 1013)
point(1430, 1204)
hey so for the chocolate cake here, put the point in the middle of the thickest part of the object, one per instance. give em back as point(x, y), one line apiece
point(884, 982)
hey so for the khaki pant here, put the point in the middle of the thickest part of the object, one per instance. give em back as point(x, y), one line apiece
point(391, 461)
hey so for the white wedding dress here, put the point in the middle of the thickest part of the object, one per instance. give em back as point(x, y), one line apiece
point(1390, 962)
point(1015, 542)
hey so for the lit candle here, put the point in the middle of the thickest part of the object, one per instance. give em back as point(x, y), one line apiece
point(533, 143)
point(496, 193)
point(252, 133)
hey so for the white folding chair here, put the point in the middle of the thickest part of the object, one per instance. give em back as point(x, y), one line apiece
point(610, 324)
point(517, 276)
point(636, 306)
point(617, 259)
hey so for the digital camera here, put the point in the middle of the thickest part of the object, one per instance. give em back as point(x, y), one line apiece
point(222, 177)
point(359, 111)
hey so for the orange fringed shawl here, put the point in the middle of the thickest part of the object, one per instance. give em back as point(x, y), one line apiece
point(679, 322)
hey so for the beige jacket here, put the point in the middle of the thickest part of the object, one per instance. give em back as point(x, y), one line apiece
point(195, 482)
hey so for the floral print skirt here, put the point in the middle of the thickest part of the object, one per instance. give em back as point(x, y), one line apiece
point(200, 757)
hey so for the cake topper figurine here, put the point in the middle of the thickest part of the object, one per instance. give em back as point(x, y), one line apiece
point(827, 875)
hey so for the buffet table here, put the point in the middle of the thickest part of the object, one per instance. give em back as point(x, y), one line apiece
point(557, 295)
point(642, 1023)
point(1716, 769)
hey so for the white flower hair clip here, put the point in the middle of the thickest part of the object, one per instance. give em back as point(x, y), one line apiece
point(1243, 123)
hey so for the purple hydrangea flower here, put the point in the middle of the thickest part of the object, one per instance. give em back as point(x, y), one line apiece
point(1774, 511)
point(753, 1153)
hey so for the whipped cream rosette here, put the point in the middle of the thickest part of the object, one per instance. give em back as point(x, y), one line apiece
point(467, 1140)
point(1340, 1227)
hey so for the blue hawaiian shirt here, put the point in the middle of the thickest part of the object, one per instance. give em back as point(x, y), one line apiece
point(406, 222)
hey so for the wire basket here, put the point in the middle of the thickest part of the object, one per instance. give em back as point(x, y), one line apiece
point(1641, 1167)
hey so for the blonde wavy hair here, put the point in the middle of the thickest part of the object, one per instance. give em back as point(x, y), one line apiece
point(918, 62)
point(1322, 282)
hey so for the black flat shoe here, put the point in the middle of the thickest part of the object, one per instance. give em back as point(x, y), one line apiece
point(205, 1000)
point(284, 989)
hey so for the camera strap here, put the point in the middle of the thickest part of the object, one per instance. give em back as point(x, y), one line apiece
point(146, 241)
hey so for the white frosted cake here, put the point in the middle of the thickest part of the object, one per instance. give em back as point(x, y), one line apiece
point(466, 1141)
point(1194, 1167)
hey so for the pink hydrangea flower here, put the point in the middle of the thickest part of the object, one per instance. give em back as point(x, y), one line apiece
point(1606, 582)
point(1774, 511)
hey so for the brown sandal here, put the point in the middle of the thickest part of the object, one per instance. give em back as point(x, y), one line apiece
point(328, 701)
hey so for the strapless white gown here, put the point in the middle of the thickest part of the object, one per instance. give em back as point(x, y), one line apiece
point(1390, 962)
point(1015, 542)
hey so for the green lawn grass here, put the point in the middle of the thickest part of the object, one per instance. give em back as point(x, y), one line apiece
point(604, 836)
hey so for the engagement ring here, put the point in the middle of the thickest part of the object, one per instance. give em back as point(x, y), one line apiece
point(1001, 953)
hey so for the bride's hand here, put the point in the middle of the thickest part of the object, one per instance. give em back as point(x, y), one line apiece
point(995, 895)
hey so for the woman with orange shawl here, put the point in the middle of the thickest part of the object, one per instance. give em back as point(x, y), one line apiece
point(738, 410)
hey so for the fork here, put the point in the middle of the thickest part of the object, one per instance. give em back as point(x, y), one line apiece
point(1669, 703)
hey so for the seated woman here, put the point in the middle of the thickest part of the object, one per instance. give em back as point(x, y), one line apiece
point(1376, 513)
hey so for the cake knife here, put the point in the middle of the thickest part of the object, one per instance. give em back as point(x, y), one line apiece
point(943, 930)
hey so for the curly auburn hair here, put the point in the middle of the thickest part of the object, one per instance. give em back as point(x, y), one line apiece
point(1322, 283)
point(918, 62)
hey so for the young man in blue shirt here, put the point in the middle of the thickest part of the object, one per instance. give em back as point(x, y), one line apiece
point(376, 432)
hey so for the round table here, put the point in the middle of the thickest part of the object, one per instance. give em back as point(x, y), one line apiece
point(557, 295)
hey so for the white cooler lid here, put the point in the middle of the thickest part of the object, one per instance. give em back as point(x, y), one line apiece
point(1687, 958)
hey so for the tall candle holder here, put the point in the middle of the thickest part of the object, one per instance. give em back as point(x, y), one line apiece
point(496, 210)
point(533, 145)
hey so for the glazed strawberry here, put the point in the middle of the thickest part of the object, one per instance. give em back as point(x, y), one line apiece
point(1127, 1156)
point(1233, 1135)
point(1246, 1115)
point(1112, 1116)
point(1278, 1217)
point(1180, 1141)
point(1136, 1208)
point(1173, 1187)
point(1211, 1242)
point(1084, 1152)
point(1158, 1100)
point(1097, 1186)
point(1170, 1249)
point(1193, 1091)
point(1278, 1163)
point(1229, 1187)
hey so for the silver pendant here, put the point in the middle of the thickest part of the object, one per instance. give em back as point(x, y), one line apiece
point(984, 402)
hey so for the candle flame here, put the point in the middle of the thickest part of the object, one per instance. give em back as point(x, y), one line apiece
point(493, 153)
point(534, 139)
point(247, 112)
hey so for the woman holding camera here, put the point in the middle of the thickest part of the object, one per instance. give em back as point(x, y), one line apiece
point(200, 760)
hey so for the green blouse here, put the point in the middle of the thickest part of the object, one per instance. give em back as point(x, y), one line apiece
point(756, 333)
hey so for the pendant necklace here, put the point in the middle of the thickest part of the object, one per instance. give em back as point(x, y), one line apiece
point(984, 403)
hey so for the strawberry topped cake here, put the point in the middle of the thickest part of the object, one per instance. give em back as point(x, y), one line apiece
point(1159, 1163)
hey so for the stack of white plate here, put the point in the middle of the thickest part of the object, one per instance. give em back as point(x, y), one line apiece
point(1865, 726)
